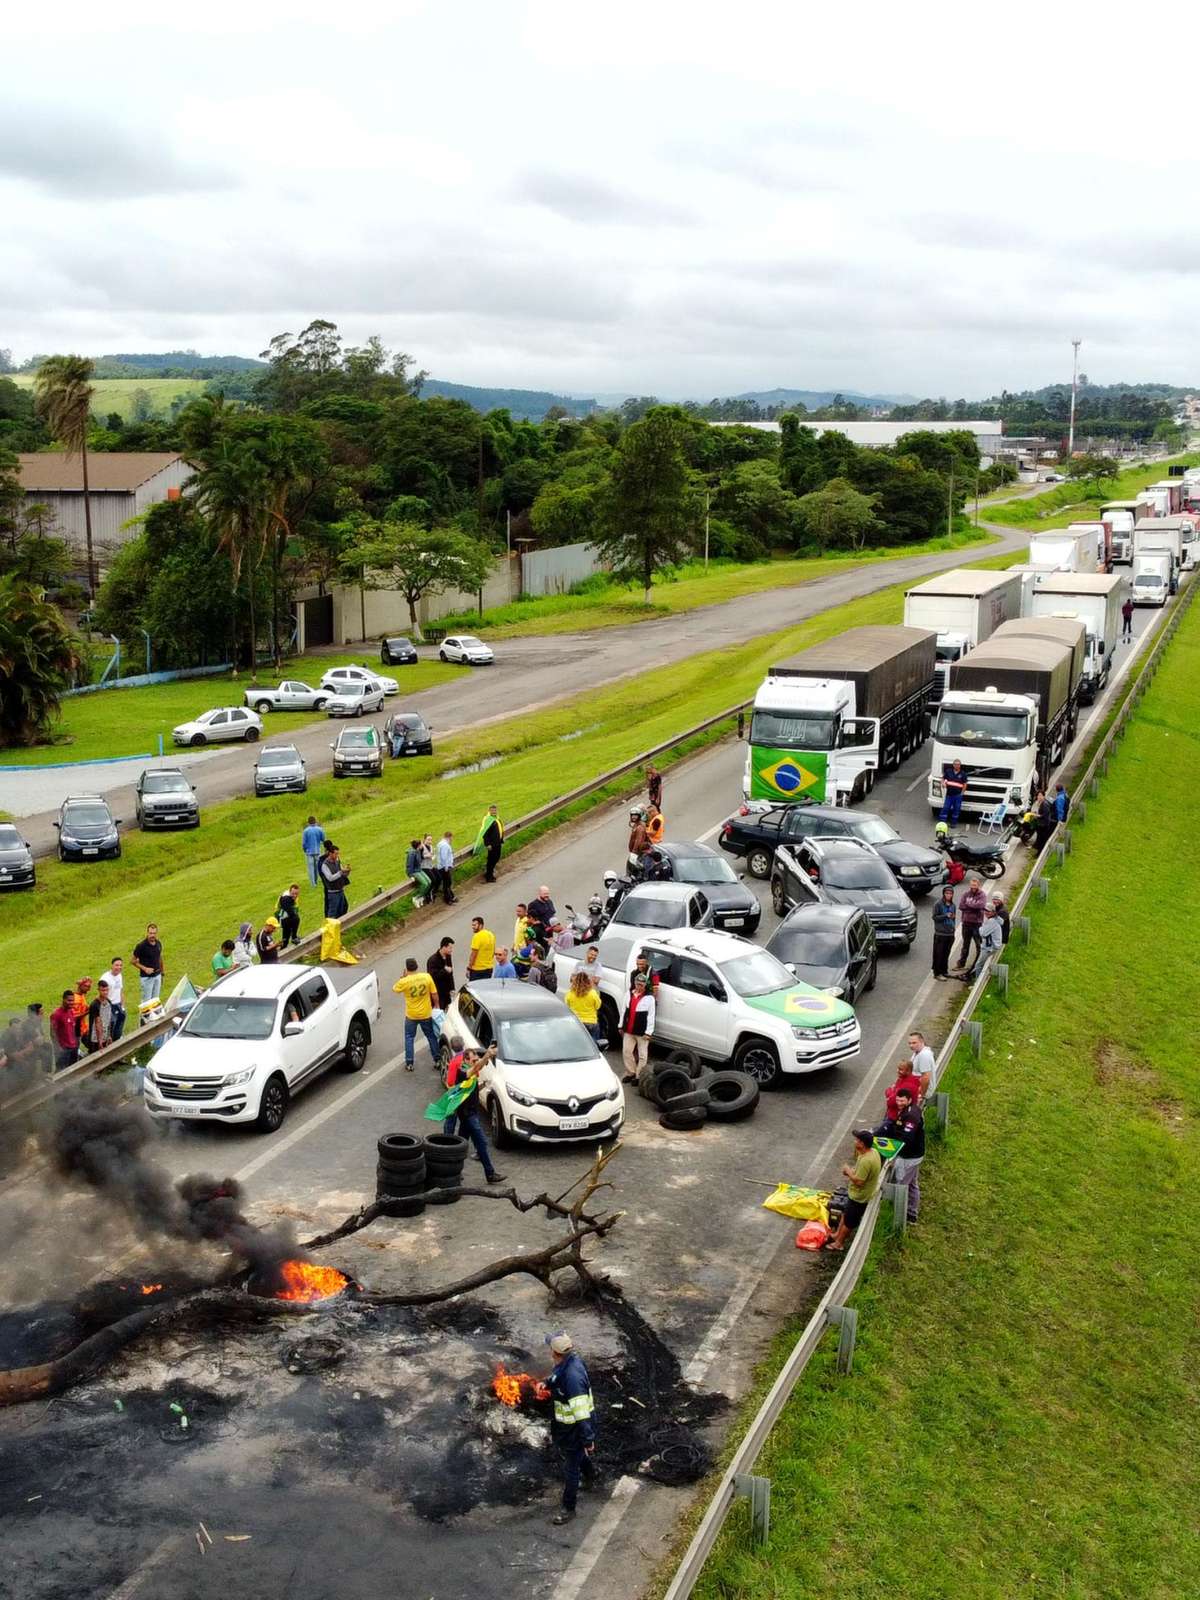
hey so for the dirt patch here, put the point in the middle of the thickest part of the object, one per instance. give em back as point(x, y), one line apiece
point(1116, 1070)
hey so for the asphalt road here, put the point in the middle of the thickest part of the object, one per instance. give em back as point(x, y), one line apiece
point(709, 1269)
point(529, 673)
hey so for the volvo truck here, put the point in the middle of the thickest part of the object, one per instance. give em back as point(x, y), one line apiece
point(1094, 599)
point(1120, 516)
point(963, 608)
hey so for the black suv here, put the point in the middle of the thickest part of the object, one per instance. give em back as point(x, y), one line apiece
point(844, 872)
point(758, 827)
point(87, 829)
point(397, 653)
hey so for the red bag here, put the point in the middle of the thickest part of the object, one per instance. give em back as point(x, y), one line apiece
point(812, 1236)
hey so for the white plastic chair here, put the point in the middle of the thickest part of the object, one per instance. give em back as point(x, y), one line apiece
point(992, 821)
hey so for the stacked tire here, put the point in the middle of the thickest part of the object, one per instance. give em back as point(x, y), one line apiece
point(400, 1175)
point(445, 1156)
point(689, 1094)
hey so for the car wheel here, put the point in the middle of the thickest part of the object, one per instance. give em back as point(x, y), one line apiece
point(199, 739)
point(251, 735)
point(758, 862)
point(610, 1022)
point(759, 1059)
point(116, 855)
point(442, 656)
point(500, 1134)
point(357, 1040)
point(262, 707)
point(272, 1107)
point(359, 709)
point(778, 900)
point(62, 854)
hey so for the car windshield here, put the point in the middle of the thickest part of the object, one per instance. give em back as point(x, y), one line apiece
point(872, 830)
point(858, 872)
point(217, 1017)
point(544, 1041)
point(278, 758)
point(163, 782)
point(357, 736)
point(407, 722)
point(470, 642)
point(640, 911)
point(88, 817)
point(792, 730)
point(703, 869)
point(810, 947)
point(756, 974)
point(990, 730)
point(399, 644)
point(10, 839)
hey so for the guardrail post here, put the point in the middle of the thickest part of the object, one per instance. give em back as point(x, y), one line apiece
point(1026, 926)
point(975, 1034)
point(1043, 888)
point(895, 1192)
point(1060, 852)
point(846, 1318)
point(941, 1104)
point(749, 1486)
point(741, 725)
point(1081, 810)
point(1000, 973)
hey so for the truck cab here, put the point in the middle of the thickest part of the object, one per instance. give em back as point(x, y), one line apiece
point(994, 735)
point(1151, 578)
point(806, 741)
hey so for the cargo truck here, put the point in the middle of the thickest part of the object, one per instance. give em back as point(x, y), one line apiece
point(1120, 516)
point(1173, 489)
point(1095, 544)
point(1163, 533)
point(1095, 599)
point(963, 608)
point(827, 720)
point(1151, 578)
point(1057, 550)
point(1009, 716)
point(1191, 489)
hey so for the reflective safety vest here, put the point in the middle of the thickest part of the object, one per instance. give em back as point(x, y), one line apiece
point(572, 1391)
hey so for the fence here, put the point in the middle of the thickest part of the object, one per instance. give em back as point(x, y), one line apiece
point(738, 1479)
point(554, 571)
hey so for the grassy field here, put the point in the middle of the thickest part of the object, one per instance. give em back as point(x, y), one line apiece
point(600, 603)
point(1022, 1415)
point(127, 722)
point(116, 394)
point(1067, 503)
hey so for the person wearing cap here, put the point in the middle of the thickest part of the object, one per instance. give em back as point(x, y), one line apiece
point(907, 1126)
point(862, 1184)
point(637, 1027)
point(267, 945)
point(574, 1427)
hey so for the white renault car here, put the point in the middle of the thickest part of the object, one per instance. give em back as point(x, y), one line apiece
point(548, 1082)
point(466, 649)
point(229, 722)
point(347, 677)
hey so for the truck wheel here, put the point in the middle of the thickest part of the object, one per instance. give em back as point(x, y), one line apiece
point(610, 1023)
point(354, 1058)
point(272, 1107)
point(870, 779)
point(262, 707)
point(758, 862)
point(760, 1060)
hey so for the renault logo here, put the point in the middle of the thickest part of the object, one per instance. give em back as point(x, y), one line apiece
point(572, 1104)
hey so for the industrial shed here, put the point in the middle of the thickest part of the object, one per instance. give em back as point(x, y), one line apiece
point(121, 485)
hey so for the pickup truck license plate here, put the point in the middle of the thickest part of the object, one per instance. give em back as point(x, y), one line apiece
point(186, 1111)
point(91, 850)
point(572, 1124)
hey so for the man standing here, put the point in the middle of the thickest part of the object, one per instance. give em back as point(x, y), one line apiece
point(954, 786)
point(115, 979)
point(64, 1030)
point(1062, 803)
point(445, 867)
point(419, 991)
point(482, 957)
point(490, 839)
point(972, 909)
point(922, 1062)
point(654, 785)
point(945, 920)
point(1127, 620)
point(83, 1000)
point(289, 915)
point(1044, 810)
point(334, 878)
point(148, 959)
point(311, 841)
point(862, 1185)
point(908, 1127)
point(542, 914)
point(574, 1429)
point(639, 842)
point(504, 968)
point(267, 944)
point(414, 866)
point(637, 1028)
point(100, 1019)
point(440, 967)
point(465, 1071)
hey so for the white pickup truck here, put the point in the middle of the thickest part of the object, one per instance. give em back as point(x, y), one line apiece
point(258, 1036)
point(728, 1000)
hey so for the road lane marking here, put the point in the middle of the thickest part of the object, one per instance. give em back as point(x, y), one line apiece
point(134, 1581)
point(597, 1536)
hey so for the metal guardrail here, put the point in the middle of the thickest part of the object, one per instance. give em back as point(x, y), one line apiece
point(738, 1478)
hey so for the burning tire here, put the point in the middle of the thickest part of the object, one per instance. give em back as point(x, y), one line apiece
point(731, 1096)
point(273, 1106)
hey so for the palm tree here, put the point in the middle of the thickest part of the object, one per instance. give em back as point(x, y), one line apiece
point(37, 657)
point(63, 396)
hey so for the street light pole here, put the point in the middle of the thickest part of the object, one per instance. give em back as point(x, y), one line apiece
point(707, 503)
point(1075, 343)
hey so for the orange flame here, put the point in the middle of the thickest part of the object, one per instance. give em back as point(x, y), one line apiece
point(303, 1280)
point(512, 1387)
point(151, 1288)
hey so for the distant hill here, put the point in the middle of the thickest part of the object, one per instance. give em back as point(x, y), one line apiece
point(529, 405)
point(814, 399)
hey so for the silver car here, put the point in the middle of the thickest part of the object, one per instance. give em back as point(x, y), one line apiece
point(165, 799)
point(343, 677)
point(280, 769)
point(229, 722)
point(356, 699)
point(287, 696)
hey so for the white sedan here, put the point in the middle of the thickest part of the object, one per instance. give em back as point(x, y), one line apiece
point(355, 699)
point(467, 649)
point(346, 677)
point(229, 722)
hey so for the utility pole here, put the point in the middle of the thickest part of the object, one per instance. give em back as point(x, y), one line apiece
point(950, 506)
point(1075, 343)
point(707, 503)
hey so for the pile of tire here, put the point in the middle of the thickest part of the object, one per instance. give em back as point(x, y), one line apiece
point(688, 1093)
point(445, 1157)
point(400, 1175)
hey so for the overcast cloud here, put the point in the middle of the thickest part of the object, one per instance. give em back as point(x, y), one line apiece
point(651, 197)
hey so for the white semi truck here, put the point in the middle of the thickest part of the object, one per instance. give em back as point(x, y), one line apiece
point(1164, 534)
point(1120, 516)
point(1060, 550)
point(963, 608)
point(1095, 599)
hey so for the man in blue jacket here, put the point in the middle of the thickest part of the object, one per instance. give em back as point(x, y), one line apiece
point(574, 1427)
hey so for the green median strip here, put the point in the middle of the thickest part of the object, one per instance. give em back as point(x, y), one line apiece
point(1021, 1418)
point(1075, 502)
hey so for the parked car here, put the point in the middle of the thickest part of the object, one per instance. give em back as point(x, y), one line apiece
point(733, 904)
point(342, 677)
point(548, 1082)
point(650, 906)
point(229, 722)
point(280, 769)
point(406, 733)
point(357, 753)
point(286, 696)
point(87, 829)
point(17, 870)
point(259, 1035)
point(398, 653)
point(355, 699)
point(758, 826)
point(844, 872)
point(466, 649)
point(164, 798)
point(832, 947)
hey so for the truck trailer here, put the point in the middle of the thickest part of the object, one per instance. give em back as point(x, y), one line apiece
point(1095, 599)
point(1058, 550)
point(963, 608)
point(827, 720)
point(1095, 545)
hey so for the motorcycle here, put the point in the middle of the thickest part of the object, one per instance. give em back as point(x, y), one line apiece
point(615, 890)
point(587, 928)
point(987, 859)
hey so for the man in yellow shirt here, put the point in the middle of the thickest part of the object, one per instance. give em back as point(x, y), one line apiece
point(482, 956)
point(420, 997)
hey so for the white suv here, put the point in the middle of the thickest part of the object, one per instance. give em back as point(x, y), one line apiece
point(348, 677)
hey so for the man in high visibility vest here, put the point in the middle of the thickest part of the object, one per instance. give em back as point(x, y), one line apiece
point(574, 1428)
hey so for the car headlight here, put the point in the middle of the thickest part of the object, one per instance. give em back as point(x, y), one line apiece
point(234, 1078)
point(801, 1034)
point(755, 905)
point(614, 1093)
point(835, 990)
point(521, 1097)
point(910, 872)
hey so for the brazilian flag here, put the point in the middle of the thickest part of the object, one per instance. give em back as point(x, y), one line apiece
point(449, 1103)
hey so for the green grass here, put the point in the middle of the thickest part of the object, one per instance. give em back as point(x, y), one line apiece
point(1021, 1419)
point(116, 394)
point(1066, 502)
point(600, 603)
point(127, 722)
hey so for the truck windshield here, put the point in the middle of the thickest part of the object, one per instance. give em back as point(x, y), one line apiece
point(756, 974)
point(792, 730)
point(216, 1018)
point(990, 730)
point(949, 652)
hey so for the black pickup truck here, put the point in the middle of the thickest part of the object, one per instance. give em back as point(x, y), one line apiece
point(758, 826)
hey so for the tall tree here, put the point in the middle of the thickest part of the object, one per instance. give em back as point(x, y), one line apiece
point(838, 516)
point(38, 654)
point(413, 561)
point(651, 508)
point(63, 396)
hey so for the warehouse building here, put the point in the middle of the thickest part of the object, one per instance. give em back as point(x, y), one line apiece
point(121, 485)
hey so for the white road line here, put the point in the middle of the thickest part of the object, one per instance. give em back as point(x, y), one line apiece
point(921, 777)
point(135, 1579)
point(598, 1535)
point(278, 1147)
point(716, 828)
point(698, 1366)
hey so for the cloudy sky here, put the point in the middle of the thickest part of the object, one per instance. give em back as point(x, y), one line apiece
point(645, 196)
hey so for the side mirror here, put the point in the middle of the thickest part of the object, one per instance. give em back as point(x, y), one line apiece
point(57, 824)
point(117, 821)
point(791, 966)
point(716, 991)
point(291, 1029)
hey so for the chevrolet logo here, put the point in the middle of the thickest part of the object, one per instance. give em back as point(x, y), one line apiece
point(185, 1085)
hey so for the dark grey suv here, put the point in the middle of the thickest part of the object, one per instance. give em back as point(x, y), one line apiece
point(165, 799)
point(844, 872)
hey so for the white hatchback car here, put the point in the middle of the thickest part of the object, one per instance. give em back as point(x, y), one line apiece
point(229, 722)
point(466, 649)
point(355, 699)
point(344, 677)
point(548, 1082)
